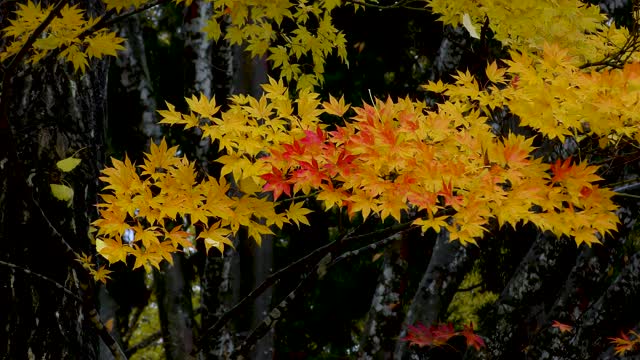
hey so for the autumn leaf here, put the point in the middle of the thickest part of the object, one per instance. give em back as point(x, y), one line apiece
point(178, 237)
point(101, 275)
point(359, 201)
point(335, 107)
point(296, 213)
point(277, 183)
point(170, 116)
point(562, 327)
point(624, 344)
point(435, 223)
point(112, 250)
point(159, 159)
point(216, 237)
point(436, 87)
point(68, 164)
point(435, 335)
point(202, 106)
point(103, 43)
point(494, 74)
point(466, 22)
point(473, 340)
point(61, 192)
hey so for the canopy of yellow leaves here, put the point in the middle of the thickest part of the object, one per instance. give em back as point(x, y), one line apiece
point(68, 34)
point(389, 158)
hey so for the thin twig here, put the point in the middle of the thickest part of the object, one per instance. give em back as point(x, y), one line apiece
point(149, 340)
point(318, 271)
point(374, 246)
point(44, 278)
point(270, 280)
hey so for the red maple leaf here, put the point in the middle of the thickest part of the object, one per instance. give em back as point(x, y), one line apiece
point(293, 149)
point(313, 138)
point(342, 165)
point(310, 172)
point(276, 182)
point(435, 335)
point(473, 339)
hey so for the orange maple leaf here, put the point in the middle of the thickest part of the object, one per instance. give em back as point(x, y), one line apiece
point(562, 327)
point(624, 343)
point(450, 199)
point(472, 338)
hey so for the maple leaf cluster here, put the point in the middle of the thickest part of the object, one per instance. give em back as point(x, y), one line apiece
point(68, 33)
point(261, 26)
point(145, 207)
point(391, 157)
point(583, 29)
point(439, 335)
point(626, 342)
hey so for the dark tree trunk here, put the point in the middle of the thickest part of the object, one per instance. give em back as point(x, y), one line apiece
point(49, 113)
point(176, 310)
point(226, 279)
point(384, 316)
point(450, 262)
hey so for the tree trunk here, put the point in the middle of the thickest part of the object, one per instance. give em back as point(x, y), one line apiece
point(519, 312)
point(175, 308)
point(384, 316)
point(135, 79)
point(226, 279)
point(51, 113)
point(450, 262)
point(256, 262)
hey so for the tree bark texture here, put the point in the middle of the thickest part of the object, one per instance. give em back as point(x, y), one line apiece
point(450, 262)
point(384, 317)
point(52, 114)
point(173, 292)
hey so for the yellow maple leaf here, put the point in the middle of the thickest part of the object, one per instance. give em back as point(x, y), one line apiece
point(170, 116)
point(274, 89)
point(435, 223)
point(112, 250)
point(103, 43)
point(76, 57)
point(494, 74)
point(360, 201)
point(391, 205)
point(145, 258)
point(296, 213)
point(331, 197)
point(256, 230)
point(159, 159)
point(216, 237)
point(436, 87)
point(202, 106)
point(237, 165)
point(179, 237)
point(335, 107)
point(101, 275)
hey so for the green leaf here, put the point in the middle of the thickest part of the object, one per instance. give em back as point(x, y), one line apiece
point(62, 192)
point(68, 164)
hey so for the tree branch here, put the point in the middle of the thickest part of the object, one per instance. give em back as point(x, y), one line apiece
point(10, 70)
point(44, 278)
point(268, 282)
point(149, 340)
